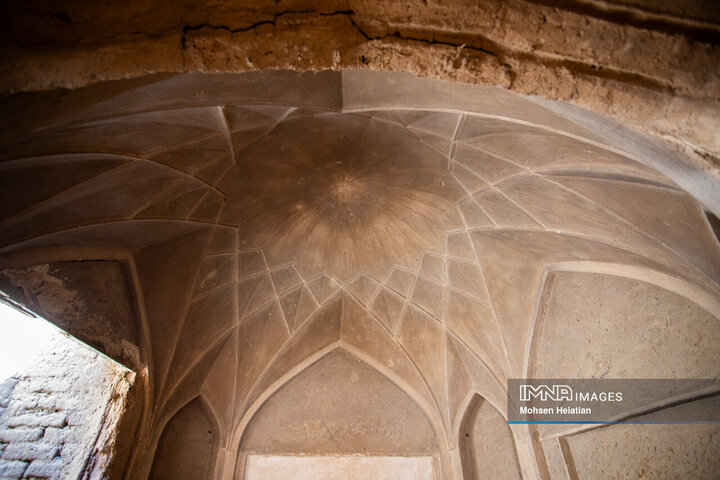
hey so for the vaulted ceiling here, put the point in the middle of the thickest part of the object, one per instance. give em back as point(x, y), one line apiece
point(263, 220)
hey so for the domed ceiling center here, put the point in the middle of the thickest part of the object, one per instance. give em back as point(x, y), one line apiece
point(346, 190)
point(341, 194)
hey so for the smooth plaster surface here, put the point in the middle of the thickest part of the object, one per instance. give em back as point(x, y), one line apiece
point(339, 405)
point(487, 448)
point(261, 467)
point(186, 446)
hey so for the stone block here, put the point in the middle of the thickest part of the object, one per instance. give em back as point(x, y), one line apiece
point(50, 384)
point(31, 420)
point(30, 451)
point(48, 403)
point(44, 468)
point(55, 436)
point(20, 434)
point(6, 390)
point(27, 403)
point(12, 469)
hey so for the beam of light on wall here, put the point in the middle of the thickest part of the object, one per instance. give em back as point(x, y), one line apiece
point(22, 339)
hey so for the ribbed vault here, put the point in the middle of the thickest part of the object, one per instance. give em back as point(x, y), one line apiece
point(267, 219)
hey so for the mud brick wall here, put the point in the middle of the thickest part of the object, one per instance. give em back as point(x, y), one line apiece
point(50, 415)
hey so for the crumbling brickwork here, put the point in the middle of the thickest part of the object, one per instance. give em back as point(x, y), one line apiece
point(51, 414)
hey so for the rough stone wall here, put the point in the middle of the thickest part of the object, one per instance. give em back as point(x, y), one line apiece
point(87, 299)
point(650, 65)
point(53, 417)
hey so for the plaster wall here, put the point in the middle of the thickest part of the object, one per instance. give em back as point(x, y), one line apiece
point(326, 468)
point(487, 446)
point(186, 448)
point(339, 406)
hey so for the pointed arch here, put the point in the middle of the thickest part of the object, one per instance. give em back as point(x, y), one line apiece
point(193, 417)
point(431, 415)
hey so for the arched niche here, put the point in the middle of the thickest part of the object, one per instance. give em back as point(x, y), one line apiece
point(340, 406)
point(187, 446)
point(487, 447)
point(606, 326)
point(597, 325)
